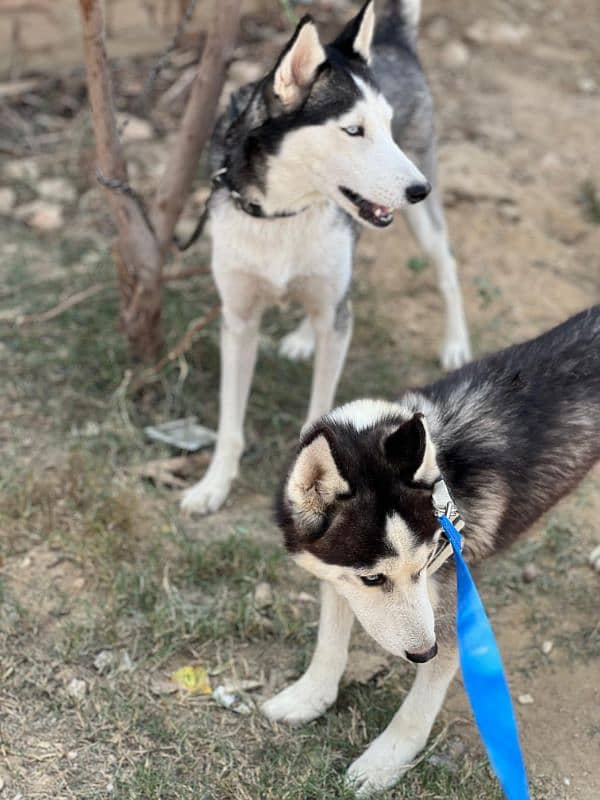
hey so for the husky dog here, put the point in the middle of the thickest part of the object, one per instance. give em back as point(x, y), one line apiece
point(510, 435)
point(300, 156)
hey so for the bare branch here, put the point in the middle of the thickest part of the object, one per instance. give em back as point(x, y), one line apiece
point(182, 346)
point(197, 121)
point(65, 305)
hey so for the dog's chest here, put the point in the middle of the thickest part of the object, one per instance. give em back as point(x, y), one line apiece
point(317, 242)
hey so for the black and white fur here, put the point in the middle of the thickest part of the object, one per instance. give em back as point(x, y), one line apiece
point(510, 435)
point(301, 155)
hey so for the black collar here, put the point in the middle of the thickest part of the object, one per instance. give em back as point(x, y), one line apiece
point(220, 179)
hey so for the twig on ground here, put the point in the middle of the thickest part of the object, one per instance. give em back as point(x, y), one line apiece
point(182, 274)
point(182, 346)
point(65, 304)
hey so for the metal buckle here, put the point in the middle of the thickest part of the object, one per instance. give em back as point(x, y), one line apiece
point(444, 505)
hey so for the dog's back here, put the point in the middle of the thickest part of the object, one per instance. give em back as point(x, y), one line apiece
point(528, 416)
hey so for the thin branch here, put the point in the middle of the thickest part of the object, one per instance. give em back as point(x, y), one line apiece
point(197, 121)
point(182, 274)
point(182, 346)
point(65, 305)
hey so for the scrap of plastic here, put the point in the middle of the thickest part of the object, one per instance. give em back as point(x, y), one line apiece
point(185, 434)
point(193, 679)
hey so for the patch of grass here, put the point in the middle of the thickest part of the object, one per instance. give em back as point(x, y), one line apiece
point(589, 198)
point(417, 264)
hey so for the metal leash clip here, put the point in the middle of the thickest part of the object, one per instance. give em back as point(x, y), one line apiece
point(444, 506)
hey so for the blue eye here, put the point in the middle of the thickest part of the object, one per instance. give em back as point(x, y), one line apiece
point(354, 130)
point(373, 580)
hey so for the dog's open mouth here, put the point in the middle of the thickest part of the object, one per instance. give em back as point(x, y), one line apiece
point(380, 216)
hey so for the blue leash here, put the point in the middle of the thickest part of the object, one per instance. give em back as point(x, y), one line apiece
point(483, 674)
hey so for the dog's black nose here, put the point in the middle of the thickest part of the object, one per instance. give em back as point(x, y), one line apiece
point(417, 192)
point(426, 655)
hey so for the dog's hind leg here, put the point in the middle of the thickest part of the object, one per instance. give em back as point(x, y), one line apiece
point(299, 345)
point(390, 755)
point(427, 223)
point(317, 689)
point(239, 343)
point(332, 337)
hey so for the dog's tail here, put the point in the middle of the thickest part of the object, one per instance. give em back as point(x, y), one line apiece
point(403, 13)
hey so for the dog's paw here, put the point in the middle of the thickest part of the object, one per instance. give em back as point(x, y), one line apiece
point(301, 702)
point(382, 765)
point(455, 352)
point(595, 558)
point(299, 344)
point(207, 496)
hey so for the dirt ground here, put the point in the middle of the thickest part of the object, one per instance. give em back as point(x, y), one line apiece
point(94, 560)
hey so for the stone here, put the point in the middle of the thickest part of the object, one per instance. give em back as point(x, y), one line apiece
point(58, 189)
point(529, 573)
point(485, 31)
point(525, 699)
point(22, 169)
point(41, 215)
point(77, 689)
point(263, 595)
point(547, 647)
point(8, 198)
point(454, 55)
point(134, 129)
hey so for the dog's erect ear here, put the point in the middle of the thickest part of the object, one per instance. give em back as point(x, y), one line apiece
point(356, 38)
point(313, 486)
point(410, 449)
point(298, 64)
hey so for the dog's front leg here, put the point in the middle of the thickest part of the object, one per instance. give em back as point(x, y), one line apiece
point(239, 343)
point(317, 689)
point(333, 334)
point(427, 223)
point(390, 755)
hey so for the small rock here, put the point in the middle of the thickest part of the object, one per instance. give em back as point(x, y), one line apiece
point(305, 597)
point(529, 573)
point(77, 689)
point(71, 755)
point(484, 31)
point(547, 647)
point(104, 661)
point(567, 781)
point(125, 662)
point(230, 701)
point(57, 189)
point(162, 686)
point(509, 211)
point(587, 85)
point(263, 595)
point(550, 161)
point(525, 699)
point(438, 29)
point(24, 169)
point(134, 129)
point(8, 198)
point(41, 215)
point(595, 558)
point(454, 55)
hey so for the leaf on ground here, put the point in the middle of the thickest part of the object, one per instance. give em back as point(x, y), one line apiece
point(193, 679)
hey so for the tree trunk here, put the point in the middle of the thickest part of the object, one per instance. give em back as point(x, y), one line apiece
point(142, 246)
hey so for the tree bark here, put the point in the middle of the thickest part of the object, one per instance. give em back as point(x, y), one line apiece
point(143, 245)
point(137, 253)
point(196, 125)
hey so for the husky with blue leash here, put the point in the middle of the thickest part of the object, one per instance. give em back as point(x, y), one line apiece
point(367, 499)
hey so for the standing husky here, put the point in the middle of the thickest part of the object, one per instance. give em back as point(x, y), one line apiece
point(510, 435)
point(299, 157)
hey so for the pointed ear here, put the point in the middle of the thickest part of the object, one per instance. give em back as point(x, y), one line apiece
point(356, 38)
point(298, 64)
point(410, 449)
point(313, 486)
